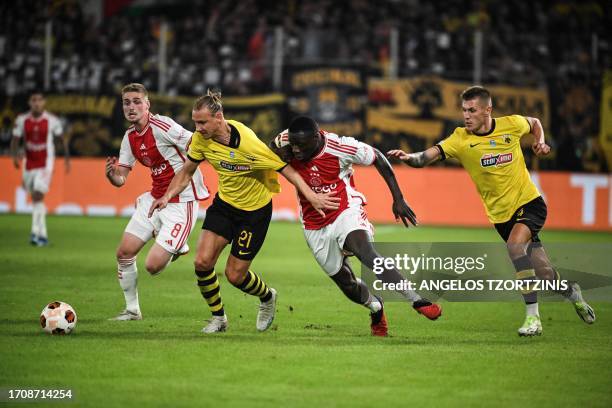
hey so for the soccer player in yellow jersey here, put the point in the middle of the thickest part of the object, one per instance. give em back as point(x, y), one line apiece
point(241, 211)
point(490, 150)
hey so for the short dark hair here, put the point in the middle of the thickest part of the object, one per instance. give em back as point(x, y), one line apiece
point(37, 91)
point(474, 92)
point(304, 125)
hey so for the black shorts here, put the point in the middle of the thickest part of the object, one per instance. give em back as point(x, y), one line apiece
point(532, 214)
point(246, 230)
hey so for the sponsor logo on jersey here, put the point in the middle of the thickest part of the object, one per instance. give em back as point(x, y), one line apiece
point(507, 138)
point(234, 167)
point(314, 168)
point(324, 189)
point(156, 171)
point(489, 160)
point(143, 147)
point(474, 144)
point(35, 147)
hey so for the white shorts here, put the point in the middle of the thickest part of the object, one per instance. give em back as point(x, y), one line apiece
point(170, 227)
point(37, 180)
point(326, 243)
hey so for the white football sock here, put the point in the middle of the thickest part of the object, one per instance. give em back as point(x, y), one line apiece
point(35, 218)
point(42, 220)
point(532, 309)
point(127, 272)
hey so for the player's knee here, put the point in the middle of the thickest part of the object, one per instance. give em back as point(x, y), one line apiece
point(516, 249)
point(235, 276)
point(203, 263)
point(124, 254)
point(154, 267)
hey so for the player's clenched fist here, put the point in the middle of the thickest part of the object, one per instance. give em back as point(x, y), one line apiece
point(280, 145)
point(540, 149)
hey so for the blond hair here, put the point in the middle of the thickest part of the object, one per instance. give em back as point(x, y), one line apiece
point(135, 87)
point(212, 101)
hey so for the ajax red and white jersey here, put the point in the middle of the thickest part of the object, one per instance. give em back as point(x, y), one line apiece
point(162, 146)
point(332, 170)
point(38, 134)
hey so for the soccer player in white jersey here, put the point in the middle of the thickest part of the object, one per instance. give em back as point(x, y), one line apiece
point(39, 130)
point(324, 160)
point(159, 143)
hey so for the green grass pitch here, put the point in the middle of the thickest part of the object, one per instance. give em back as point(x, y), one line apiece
point(318, 352)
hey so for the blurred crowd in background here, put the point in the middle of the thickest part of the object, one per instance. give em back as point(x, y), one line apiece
point(562, 45)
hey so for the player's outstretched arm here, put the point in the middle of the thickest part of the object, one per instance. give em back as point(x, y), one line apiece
point(115, 174)
point(320, 202)
point(178, 184)
point(401, 210)
point(420, 159)
point(539, 147)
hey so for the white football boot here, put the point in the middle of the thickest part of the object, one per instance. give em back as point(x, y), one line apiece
point(266, 313)
point(216, 324)
point(586, 312)
point(531, 327)
point(127, 315)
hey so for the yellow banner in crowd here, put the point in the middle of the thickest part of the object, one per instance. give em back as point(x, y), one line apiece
point(432, 98)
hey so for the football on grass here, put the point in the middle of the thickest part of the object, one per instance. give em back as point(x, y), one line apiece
point(58, 318)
